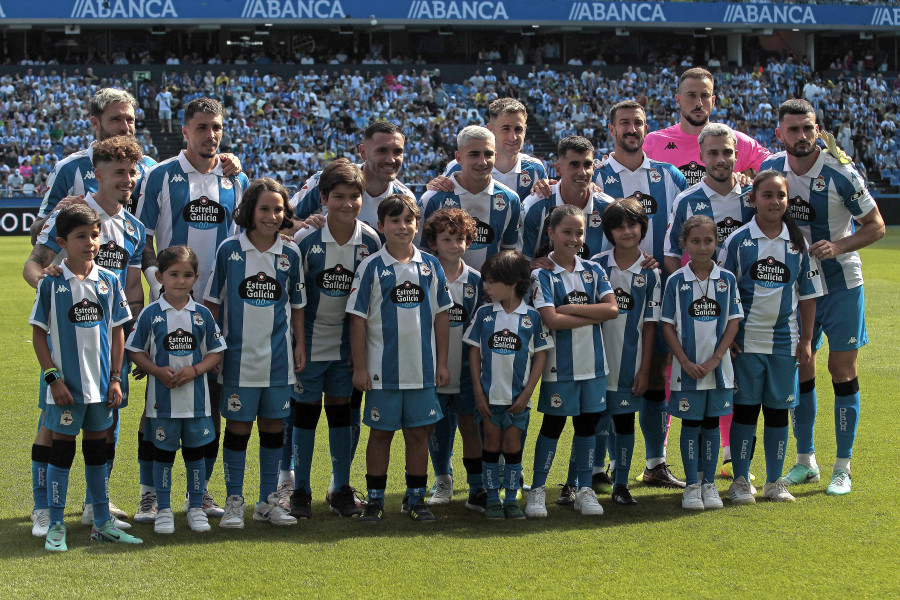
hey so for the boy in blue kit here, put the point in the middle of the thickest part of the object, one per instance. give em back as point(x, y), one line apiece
point(258, 281)
point(449, 232)
point(399, 336)
point(331, 256)
point(176, 342)
point(507, 357)
point(77, 320)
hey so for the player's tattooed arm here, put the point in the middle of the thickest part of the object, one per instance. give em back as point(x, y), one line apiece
point(38, 265)
point(148, 258)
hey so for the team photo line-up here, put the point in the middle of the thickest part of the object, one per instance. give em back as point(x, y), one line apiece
point(618, 289)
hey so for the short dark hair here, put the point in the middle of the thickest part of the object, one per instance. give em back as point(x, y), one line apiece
point(243, 214)
point(576, 143)
point(695, 73)
point(794, 232)
point(624, 211)
point(341, 171)
point(454, 220)
point(509, 267)
point(622, 106)
point(117, 149)
point(382, 127)
point(203, 105)
point(75, 215)
point(795, 106)
point(176, 254)
point(506, 106)
point(394, 205)
point(106, 96)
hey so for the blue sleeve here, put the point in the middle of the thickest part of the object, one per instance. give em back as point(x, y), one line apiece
point(297, 281)
point(213, 340)
point(530, 229)
point(309, 199)
point(542, 288)
point(442, 291)
point(543, 339)
point(670, 300)
point(137, 255)
point(729, 258)
point(735, 310)
point(60, 184)
point(673, 234)
point(473, 333)
point(118, 304)
point(148, 205)
point(678, 178)
point(361, 293)
point(511, 234)
point(215, 288)
point(653, 297)
point(48, 234)
point(40, 314)
point(139, 340)
point(603, 287)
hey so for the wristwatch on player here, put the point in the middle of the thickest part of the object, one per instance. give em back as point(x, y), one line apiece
point(51, 376)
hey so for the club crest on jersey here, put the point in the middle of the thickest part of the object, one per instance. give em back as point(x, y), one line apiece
point(65, 419)
point(102, 288)
point(595, 220)
point(526, 322)
point(684, 405)
point(226, 183)
point(424, 270)
point(819, 184)
point(160, 434)
point(792, 249)
point(588, 276)
point(469, 290)
point(655, 177)
point(721, 285)
point(375, 415)
point(362, 252)
point(555, 401)
point(524, 179)
point(129, 228)
point(283, 263)
point(499, 202)
point(234, 403)
point(639, 281)
point(198, 320)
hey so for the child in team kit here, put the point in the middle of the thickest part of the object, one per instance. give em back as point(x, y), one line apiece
point(256, 291)
point(331, 256)
point(77, 336)
point(449, 232)
point(775, 275)
point(399, 335)
point(630, 336)
point(700, 314)
point(176, 342)
point(508, 342)
point(573, 298)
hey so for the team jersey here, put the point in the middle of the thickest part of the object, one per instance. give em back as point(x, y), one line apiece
point(824, 202)
point(728, 212)
point(654, 184)
point(578, 353)
point(674, 146)
point(329, 270)
point(79, 316)
point(466, 293)
point(537, 210)
point(181, 206)
point(507, 342)
point(399, 302)
point(772, 276)
point(521, 178)
point(257, 291)
point(700, 311)
point(176, 339)
point(496, 209)
point(74, 176)
point(308, 200)
point(638, 294)
point(121, 240)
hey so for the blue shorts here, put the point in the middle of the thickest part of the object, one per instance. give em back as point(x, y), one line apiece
point(571, 398)
point(694, 405)
point(247, 403)
point(332, 377)
point(171, 434)
point(623, 403)
point(70, 420)
point(767, 379)
point(462, 403)
point(841, 316)
point(502, 420)
point(393, 410)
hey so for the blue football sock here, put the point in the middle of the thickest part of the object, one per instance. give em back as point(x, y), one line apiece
point(512, 474)
point(804, 418)
point(162, 481)
point(846, 419)
point(96, 478)
point(544, 450)
point(603, 438)
point(690, 452)
point(57, 486)
point(145, 472)
point(304, 443)
point(287, 442)
point(584, 446)
point(653, 419)
point(355, 420)
point(440, 444)
point(233, 464)
point(711, 441)
point(491, 473)
point(741, 448)
point(196, 482)
point(340, 440)
point(269, 458)
point(572, 475)
point(209, 459)
point(774, 443)
point(41, 455)
point(622, 456)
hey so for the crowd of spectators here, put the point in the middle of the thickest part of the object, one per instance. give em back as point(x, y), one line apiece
point(289, 128)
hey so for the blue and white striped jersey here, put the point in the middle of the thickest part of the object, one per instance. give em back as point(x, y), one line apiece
point(74, 175)
point(329, 270)
point(638, 293)
point(729, 213)
point(177, 339)
point(700, 311)
point(497, 210)
point(772, 276)
point(180, 205)
point(537, 210)
point(521, 178)
point(257, 291)
point(507, 342)
point(578, 354)
point(824, 202)
point(399, 302)
point(308, 201)
point(466, 294)
point(79, 316)
point(121, 240)
point(654, 184)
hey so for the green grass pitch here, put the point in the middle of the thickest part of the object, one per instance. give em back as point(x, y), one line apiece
point(819, 547)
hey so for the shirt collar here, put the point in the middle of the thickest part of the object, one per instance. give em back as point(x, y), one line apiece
point(635, 268)
point(187, 167)
point(166, 306)
point(522, 309)
point(517, 168)
point(246, 244)
point(92, 202)
point(355, 237)
point(757, 233)
point(558, 269)
point(459, 190)
point(736, 190)
point(814, 171)
point(93, 274)
point(690, 276)
point(390, 260)
point(619, 167)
